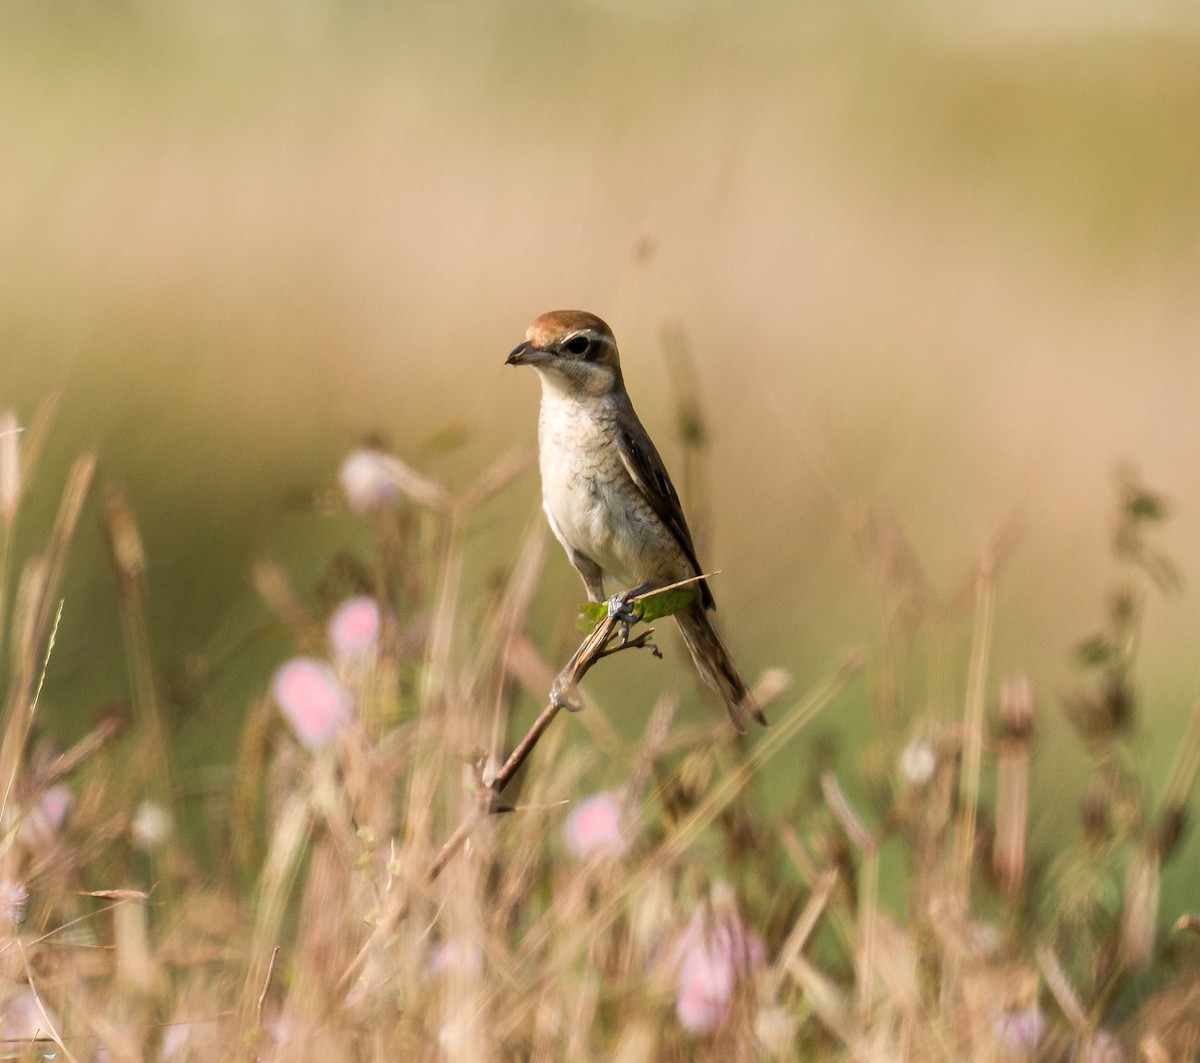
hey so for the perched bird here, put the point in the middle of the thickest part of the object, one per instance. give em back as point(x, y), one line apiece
point(606, 492)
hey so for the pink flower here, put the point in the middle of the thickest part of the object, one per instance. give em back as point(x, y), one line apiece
point(354, 628)
point(174, 1039)
point(594, 826)
point(314, 702)
point(54, 804)
point(454, 956)
point(43, 820)
point(1021, 1031)
point(25, 1018)
point(712, 959)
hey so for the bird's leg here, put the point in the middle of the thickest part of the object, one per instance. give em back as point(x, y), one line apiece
point(625, 612)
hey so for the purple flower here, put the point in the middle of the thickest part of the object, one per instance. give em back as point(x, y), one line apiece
point(312, 699)
point(354, 629)
point(594, 826)
point(712, 958)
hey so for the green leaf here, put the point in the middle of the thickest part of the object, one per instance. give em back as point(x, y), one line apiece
point(590, 614)
point(654, 607)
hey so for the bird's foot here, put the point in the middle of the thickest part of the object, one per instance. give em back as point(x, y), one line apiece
point(625, 612)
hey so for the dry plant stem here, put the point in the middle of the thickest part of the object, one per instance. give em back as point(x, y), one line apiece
point(37, 603)
point(19, 453)
point(802, 929)
point(129, 564)
point(973, 727)
point(54, 1035)
point(262, 997)
point(435, 678)
point(868, 904)
point(1184, 770)
point(592, 649)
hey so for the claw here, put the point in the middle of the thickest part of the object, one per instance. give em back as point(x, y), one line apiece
point(624, 613)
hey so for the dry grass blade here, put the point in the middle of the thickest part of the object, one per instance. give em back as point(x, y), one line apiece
point(129, 564)
point(20, 450)
point(802, 929)
point(1180, 781)
point(964, 840)
point(433, 724)
point(10, 468)
point(118, 895)
point(274, 587)
point(828, 1001)
point(1061, 989)
point(34, 438)
point(274, 889)
point(847, 818)
point(50, 1026)
point(81, 752)
point(420, 489)
point(1139, 913)
point(1012, 785)
point(497, 477)
point(39, 586)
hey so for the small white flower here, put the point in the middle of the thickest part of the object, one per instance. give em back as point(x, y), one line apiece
point(918, 761)
point(13, 896)
point(151, 826)
point(367, 481)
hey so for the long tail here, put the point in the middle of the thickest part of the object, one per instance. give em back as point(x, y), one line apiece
point(716, 667)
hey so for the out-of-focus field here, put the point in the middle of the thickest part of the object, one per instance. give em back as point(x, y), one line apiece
point(937, 264)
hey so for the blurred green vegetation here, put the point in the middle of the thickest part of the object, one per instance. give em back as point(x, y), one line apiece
point(939, 265)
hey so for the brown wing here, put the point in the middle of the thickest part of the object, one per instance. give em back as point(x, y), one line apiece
point(645, 466)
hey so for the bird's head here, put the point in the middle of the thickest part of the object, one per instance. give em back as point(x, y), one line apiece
point(573, 351)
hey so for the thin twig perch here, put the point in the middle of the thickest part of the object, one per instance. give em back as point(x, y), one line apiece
point(591, 650)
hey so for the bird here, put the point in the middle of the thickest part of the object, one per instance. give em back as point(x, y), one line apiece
point(607, 495)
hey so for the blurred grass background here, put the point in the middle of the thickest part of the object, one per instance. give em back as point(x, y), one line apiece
point(934, 261)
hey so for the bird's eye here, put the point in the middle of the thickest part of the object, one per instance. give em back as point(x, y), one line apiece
point(579, 345)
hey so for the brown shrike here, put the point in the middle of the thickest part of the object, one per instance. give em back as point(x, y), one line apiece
point(606, 492)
